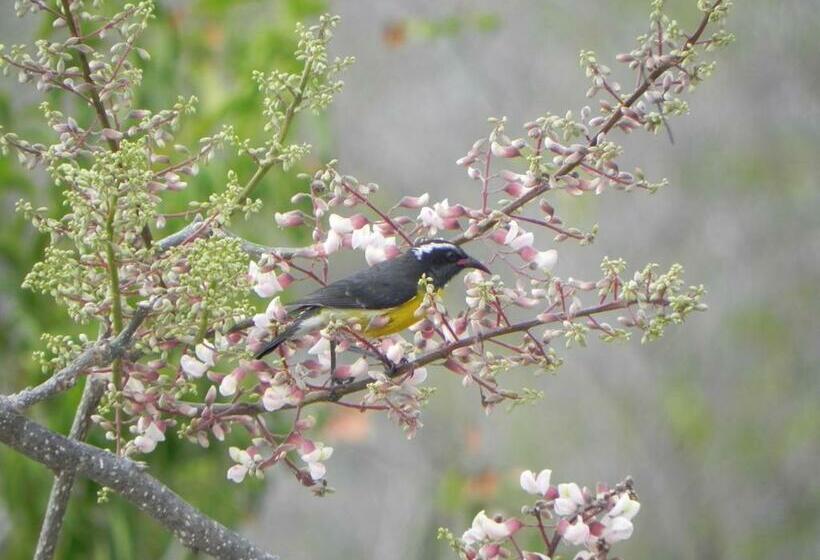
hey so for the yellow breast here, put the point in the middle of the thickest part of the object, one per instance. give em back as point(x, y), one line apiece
point(373, 321)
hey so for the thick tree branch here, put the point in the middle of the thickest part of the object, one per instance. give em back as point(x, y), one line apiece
point(193, 528)
point(64, 481)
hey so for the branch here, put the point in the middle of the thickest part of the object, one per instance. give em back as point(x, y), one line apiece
point(193, 528)
point(99, 354)
point(489, 222)
point(63, 482)
point(335, 393)
point(86, 68)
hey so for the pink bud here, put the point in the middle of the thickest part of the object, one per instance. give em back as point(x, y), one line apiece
point(292, 218)
point(504, 151)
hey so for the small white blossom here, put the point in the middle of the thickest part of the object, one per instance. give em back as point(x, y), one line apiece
point(277, 396)
point(577, 533)
point(617, 529)
point(536, 485)
point(315, 458)
point(192, 366)
point(569, 499)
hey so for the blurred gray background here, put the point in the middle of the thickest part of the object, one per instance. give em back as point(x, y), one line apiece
point(718, 422)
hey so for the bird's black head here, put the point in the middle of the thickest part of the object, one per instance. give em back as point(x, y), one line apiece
point(441, 260)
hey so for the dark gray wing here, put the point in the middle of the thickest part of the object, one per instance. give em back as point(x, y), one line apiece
point(382, 286)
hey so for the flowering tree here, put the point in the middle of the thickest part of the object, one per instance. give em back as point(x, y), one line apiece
point(176, 315)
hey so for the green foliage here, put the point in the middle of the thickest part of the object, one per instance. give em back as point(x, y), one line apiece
point(186, 56)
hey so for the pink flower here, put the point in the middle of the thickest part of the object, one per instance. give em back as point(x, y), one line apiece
point(414, 201)
point(536, 485)
point(289, 219)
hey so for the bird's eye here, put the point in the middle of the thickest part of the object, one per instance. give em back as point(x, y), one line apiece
point(452, 256)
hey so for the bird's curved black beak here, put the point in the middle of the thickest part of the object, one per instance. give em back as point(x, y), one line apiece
point(470, 262)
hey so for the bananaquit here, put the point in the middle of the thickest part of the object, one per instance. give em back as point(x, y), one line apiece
point(381, 299)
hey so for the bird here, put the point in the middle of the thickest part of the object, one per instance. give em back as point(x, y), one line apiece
point(381, 299)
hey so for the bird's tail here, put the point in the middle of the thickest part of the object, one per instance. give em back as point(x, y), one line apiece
point(285, 335)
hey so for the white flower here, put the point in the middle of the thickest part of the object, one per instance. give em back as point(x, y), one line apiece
point(277, 396)
point(577, 533)
point(418, 377)
point(228, 385)
point(275, 312)
point(377, 248)
point(625, 507)
point(536, 485)
point(333, 242)
point(314, 460)
point(617, 529)
point(395, 353)
point(206, 354)
point(546, 260)
point(485, 528)
point(431, 219)
point(237, 473)
point(361, 237)
point(569, 498)
point(151, 434)
point(517, 238)
point(134, 386)
point(340, 224)
point(265, 284)
point(359, 367)
point(192, 366)
point(322, 346)
point(245, 463)
point(144, 444)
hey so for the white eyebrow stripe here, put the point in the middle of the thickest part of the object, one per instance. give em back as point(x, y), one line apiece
point(419, 252)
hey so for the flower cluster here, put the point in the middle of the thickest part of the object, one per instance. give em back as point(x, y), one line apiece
point(563, 514)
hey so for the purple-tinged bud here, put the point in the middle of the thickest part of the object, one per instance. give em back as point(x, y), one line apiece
point(466, 160)
point(473, 173)
point(292, 218)
point(414, 202)
point(624, 57)
point(504, 151)
point(546, 208)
